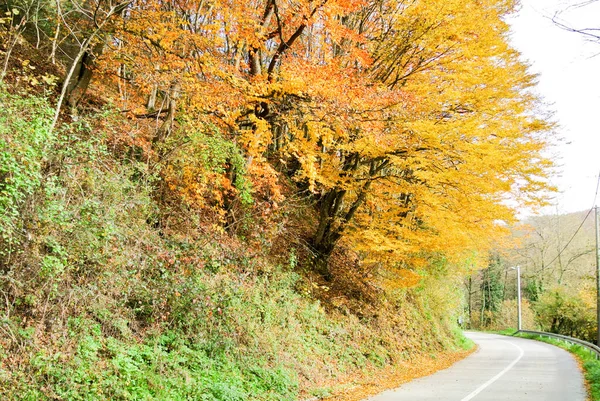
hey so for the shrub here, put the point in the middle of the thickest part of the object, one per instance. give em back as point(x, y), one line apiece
point(25, 144)
point(562, 312)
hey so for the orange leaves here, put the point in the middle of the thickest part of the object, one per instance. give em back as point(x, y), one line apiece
point(407, 121)
point(199, 187)
point(395, 278)
point(265, 183)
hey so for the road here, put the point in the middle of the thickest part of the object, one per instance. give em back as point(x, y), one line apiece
point(503, 368)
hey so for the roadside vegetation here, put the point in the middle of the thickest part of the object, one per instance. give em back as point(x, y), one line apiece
point(99, 304)
point(556, 255)
point(266, 200)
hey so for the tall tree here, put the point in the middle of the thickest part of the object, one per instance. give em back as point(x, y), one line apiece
point(410, 123)
point(429, 151)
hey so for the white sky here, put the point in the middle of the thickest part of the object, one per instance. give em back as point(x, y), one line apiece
point(569, 82)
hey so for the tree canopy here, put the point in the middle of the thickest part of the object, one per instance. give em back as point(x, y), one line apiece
point(409, 123)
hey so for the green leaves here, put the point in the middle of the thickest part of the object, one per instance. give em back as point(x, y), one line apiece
point(24, 145)
point(208, 170)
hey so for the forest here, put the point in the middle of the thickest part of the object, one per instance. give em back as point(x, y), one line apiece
point(259, 200)
point(557, 258)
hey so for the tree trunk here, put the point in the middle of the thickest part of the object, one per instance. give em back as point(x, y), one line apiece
point(469, 299)
point(335, 213)
point(151, 105)
point(167, 125)
point(81, 77)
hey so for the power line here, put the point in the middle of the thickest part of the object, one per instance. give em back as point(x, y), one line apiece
point(581, 225)
point(596, 194)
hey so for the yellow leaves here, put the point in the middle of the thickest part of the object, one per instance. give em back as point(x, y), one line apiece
point(402, 278)
point(412, 113)
point(255, 141)
point(49, 79)
point(26, 64)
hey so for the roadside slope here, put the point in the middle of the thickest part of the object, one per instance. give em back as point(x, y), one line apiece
point(107, 296)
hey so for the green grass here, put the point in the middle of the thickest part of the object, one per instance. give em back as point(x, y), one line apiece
point(505, 332)
point(163, 367)
point(462, 341)
point(591, 365)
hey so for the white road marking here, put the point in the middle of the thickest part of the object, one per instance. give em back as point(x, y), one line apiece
point(499, 375)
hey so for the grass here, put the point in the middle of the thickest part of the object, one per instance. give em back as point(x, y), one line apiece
point(505, 332)
point(463, 342)
point(591, 366)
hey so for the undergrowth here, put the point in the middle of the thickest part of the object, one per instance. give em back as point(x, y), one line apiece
point(101, 302)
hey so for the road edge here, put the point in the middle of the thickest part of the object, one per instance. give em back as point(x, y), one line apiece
point(578, 358)
point(394, 376)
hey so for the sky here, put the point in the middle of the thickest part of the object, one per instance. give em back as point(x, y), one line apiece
point(569, 83)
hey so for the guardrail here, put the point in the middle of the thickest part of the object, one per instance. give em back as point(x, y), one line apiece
point(591, 347)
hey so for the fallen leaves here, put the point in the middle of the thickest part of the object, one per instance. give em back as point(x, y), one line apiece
point(361, 386)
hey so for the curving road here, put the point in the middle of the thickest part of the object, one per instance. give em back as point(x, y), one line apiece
point(503, 368)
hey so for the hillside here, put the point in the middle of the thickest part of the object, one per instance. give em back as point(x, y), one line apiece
point(202, 201)
point(557, 259)
point(102, 304)
point(559, 249)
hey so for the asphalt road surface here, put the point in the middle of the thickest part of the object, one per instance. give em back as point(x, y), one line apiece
point(503, 368)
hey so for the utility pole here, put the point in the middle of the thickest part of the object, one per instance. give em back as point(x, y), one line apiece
point(597, 277)
point(519, 320)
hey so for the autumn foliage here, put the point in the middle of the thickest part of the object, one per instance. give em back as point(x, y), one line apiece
point(250, 200)
point(409, 123)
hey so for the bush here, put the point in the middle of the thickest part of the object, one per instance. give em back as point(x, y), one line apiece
point(559, 311)
point(25, 144)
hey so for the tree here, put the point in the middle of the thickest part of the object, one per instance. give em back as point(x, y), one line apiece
point(557, 260)
point(409, 123)
point(556, 249)
point(492, 291)
point(429, 152)
point(591, 33)
point(85, 23)
point(485, 292)
point(569, 314)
